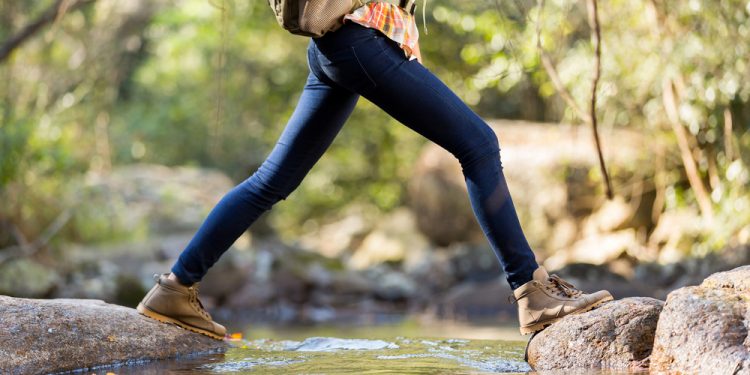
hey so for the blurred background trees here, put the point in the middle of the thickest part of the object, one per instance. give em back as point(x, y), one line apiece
point(210, 83)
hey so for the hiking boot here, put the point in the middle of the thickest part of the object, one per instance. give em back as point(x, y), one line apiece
point(171, 302)
point(546, 299)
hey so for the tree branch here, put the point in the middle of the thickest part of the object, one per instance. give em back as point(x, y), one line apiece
point(596, 37)
point(701, 194)
point(590, 117)
point(549, 67)
point(52, 14)
point(26, 249)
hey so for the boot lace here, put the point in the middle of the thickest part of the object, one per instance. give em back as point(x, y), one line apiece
point(196, 302)
point(561, 287)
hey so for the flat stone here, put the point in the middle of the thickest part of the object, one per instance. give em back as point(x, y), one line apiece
point(618, 335)
point(704, 329)
point(43, 336)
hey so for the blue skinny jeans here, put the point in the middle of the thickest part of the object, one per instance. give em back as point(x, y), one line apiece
point(344, 65)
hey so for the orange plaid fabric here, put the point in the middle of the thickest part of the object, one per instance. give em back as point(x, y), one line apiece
point(396, 23)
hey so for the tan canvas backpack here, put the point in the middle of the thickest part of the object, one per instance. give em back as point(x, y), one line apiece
point(316, 17)
point(312, 17)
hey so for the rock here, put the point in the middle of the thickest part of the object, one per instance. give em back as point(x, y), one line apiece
point(391, 285)
point(99, 271)
point(704, 329)
point(474, 263)
point(613, 215)
point(437, 195)
point(547, 187)
point(599, 248)
point(590, 277)
point(618, 335)
point(26, 278)
point(676, 233)
point(394, 239)
point(343, 235)
point(433, 272)
point(43, 336)
point(136, 200)
point(476, 300)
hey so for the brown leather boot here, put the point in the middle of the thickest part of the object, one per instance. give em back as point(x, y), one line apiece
point(171, 302)
point(546, 299)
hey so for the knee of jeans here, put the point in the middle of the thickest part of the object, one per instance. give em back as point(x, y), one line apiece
point(259, 192)
point(488, 147)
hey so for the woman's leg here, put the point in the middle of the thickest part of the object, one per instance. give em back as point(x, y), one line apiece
point(321, 112)
point(414, 96)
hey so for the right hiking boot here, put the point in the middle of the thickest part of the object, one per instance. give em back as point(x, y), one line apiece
point(546, 299)
point(171, 302)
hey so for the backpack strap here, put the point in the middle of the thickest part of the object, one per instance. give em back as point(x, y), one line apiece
point(409, 5)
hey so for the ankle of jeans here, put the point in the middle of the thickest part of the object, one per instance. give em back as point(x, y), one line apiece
point(183, 277)
point(522, 277)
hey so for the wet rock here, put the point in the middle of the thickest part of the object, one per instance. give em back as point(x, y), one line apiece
point(704, 329)
point(42, 336)
point(617, 335)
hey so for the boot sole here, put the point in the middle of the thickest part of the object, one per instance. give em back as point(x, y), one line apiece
point(165, 319)
point(540, 326)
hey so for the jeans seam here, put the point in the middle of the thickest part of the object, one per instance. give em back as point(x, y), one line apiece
point(354, 52)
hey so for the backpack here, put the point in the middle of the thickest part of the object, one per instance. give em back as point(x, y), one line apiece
point(312, 17)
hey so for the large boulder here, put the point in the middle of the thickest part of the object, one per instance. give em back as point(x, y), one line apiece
point(43, 336)
point(618, 335)
point(704, 329)
point(554, 190)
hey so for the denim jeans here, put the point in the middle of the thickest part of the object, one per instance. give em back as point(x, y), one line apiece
point(344, 65)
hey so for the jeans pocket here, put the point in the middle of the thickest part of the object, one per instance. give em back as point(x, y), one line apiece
point(353, 66)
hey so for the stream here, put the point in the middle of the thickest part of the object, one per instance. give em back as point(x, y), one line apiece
point(407, 347)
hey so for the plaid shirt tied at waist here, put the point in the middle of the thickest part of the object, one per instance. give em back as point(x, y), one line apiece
point(397, 23)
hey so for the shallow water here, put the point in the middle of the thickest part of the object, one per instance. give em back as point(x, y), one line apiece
point(404, 348)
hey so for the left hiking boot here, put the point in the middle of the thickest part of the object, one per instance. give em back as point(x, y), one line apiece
point(171, 302)
point(546, 299)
